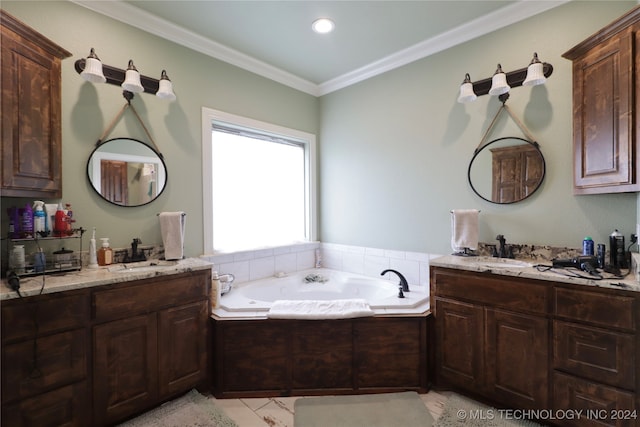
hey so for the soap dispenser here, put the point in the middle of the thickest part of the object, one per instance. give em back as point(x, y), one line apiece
point(105, 254)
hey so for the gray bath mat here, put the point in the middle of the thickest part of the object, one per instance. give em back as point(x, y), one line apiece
point(190, 410)
point(404, 409)
point(460, 411)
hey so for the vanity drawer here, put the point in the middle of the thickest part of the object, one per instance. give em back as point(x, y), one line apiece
point(49, 313)
point(148, 295)
point(599, 405)
point(595, 353)
point(61, 359)
point(599, 308)
point(490, 289)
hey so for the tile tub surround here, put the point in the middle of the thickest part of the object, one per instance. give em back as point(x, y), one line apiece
point(260, 264)
point(94, 277)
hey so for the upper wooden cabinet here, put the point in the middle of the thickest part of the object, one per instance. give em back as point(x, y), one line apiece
point(30, 123)
point(606, 108)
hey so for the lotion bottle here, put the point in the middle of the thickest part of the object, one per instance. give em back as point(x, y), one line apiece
point(93, 256)
point(105, 254)
point(215, 290)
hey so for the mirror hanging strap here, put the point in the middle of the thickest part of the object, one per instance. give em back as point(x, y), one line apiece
point(521, 125)
point(115, 120)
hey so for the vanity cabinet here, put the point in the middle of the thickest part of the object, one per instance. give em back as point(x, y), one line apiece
point(491, 336)
point(31, 142)
point(606, 108)
point(521, 343)
point(45, 360)
point(149, 343)
point(96, 356)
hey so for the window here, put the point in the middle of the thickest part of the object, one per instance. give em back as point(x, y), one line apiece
point(259, 182)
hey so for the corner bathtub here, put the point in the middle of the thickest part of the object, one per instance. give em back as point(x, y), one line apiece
point(254, 299)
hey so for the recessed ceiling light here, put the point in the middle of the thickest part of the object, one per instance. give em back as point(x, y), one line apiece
point(323, 25)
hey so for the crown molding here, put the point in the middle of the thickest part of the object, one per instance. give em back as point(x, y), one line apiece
point(145, 21)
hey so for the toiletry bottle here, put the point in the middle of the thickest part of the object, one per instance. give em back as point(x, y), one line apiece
point(60, 226)
point(215, 290)
point(587, 246)
point(69, 213)
point(93, 255)
point(39, 218)
point(616, 249)
point(105, 254)
point(39, 261)
point(14, 223)
point(27, 221)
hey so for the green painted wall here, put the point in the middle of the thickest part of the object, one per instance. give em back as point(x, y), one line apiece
point(395, 148)
point(198, 81)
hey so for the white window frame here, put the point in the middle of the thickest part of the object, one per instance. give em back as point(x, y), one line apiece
point(309, 140)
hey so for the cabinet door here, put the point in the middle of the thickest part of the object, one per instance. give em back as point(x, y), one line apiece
point(390, 353)
point(252, 355)
point(604, 150)
point(182, 344)
point(459, 338)
point(517, 359)
point(31, 132)
point(125, 366)
point(322, 355)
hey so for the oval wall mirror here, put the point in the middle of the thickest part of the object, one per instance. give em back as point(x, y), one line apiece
point(127, 172)
point(506, 170)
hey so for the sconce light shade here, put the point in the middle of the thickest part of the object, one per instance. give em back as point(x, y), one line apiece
point(93, 69)
point(132, 79)
point(165, 88)
point(535, 73)
point(499, 82)
point(466, 91)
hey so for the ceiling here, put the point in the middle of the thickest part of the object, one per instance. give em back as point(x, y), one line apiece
point(274, 38)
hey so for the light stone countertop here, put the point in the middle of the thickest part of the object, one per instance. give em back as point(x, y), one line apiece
point(107, 275)
point(510, 267)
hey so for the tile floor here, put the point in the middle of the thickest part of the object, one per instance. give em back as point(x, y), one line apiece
point(278, 411)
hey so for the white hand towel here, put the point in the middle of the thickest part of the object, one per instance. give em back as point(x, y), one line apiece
point(319, 309)
point(172, 225)
point(464, 229)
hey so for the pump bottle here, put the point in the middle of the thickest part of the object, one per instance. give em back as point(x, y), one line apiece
point(105, 254)
point(60, 226)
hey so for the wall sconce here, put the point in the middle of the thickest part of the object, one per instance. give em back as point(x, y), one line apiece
point(466, 90)
point(501, 83)
point(92, 69)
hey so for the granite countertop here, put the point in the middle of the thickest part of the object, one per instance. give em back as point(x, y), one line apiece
point(107, 275)
point(527, 269)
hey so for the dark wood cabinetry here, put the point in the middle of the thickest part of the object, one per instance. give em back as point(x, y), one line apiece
point(491, 336)
point(97, 356)
point(45, 360)
point(534, 344)
point(298, 357)
point(606, 108)
point(150, 343)
point(31, 142)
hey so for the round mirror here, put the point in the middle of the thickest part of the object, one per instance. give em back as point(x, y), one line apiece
point(127, 172)
point(506, 170)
